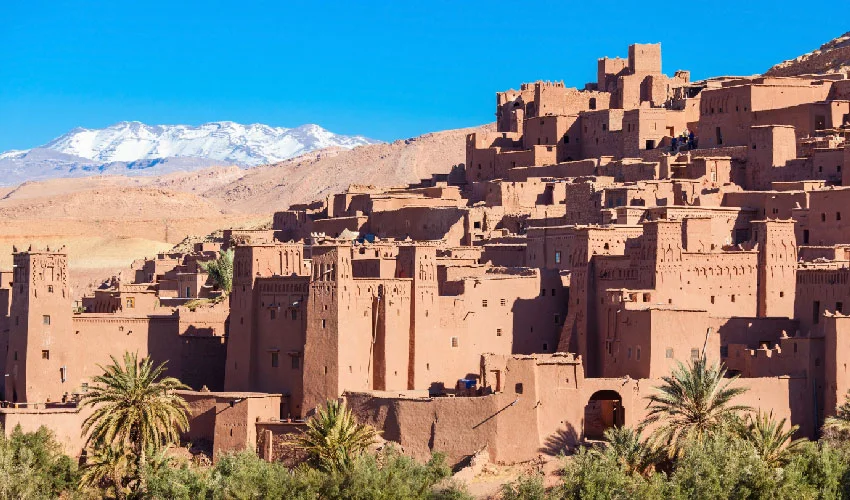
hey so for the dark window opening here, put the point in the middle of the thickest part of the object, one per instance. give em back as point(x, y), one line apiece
point(275, 359)
point(816, 312)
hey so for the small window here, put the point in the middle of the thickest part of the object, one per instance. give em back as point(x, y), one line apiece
point(294, 314)
point(557, 319)
point(476, 224)
point(542, 292)
point(484, 303)
point(324, 324)
point(733, 298)
point(503, 302)
point(781, 294)
point(839, 307)
point(273, 313)
point(45, 354)
point(63, 374)
point(816, 312)
point(695, 355)
point(518, 388)
point(131, 302)
point(629, 353)
point(637, 354)
point(557, 257)
point(16, 355)
point(545, 347)
point(45, 319)
point(823, 217)
point(668, 353)
point(50, 288)
point(712, 299)
point(837, 215)
point(188, 292)
point(498, 332)
point(275, 359)
point(454, 342)
point(724, 351)
point(296, 362)
point(553, 291)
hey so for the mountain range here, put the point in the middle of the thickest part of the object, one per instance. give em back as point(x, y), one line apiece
point(133, 148)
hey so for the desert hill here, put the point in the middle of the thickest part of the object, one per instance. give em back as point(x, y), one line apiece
point(831, 57)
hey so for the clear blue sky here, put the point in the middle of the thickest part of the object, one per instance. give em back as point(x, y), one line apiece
point(386, 70)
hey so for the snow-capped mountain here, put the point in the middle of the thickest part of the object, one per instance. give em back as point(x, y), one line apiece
point(134, 148)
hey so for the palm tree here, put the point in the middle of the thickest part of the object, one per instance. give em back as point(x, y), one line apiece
point(694, 401)
point(333, 437)
point(771, 441)
point(221, 270)
point(839, 425)
point(624, 447)
point(136, 409)
point(107, 468)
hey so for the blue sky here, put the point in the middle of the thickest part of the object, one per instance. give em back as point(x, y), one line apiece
point(386, 70)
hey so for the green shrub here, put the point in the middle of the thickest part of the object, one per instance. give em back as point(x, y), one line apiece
point(32, 465)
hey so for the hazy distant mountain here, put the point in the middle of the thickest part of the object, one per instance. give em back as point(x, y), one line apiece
point(136, 148)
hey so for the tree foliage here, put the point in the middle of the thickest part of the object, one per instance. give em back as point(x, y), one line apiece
point(136, 413)
point(32, 466)
point(695, 401)
point(334, 438)
point(221, 270)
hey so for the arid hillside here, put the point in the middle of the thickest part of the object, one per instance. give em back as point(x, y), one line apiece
point(831, 57)
point(106, 222)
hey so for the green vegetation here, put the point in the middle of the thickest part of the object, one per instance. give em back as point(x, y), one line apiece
point(704, 447)
point(136, 415)
point(722, 451)
point(334, 438)
point(221, 270)
point(693, 403)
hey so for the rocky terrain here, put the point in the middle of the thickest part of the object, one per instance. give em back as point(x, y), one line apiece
point(831, 57)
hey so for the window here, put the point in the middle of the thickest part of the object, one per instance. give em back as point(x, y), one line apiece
point(45, 354)
point(637, 354)
point(16, 355)
point(484, 303)
point(724, 351)
point(553, 292)
point(131, 302)
point(557, 319)
point(650, 144)
point(542, 292)
point(476, 224)
point(592, 103)
point(668, 353)
point(557, 257)
point(545, 346)
point(816, 312)
point(275, 359)
point(323, 324)
point(733, 298)
point(454, 342)
point(839, 306)
point(273, 313)
point(503, 302)
point(629, 353)
point(45, 319)
point(63, 374)
point(837, 215)
point(604, 127)
point(296, 362)
point(823, 217)
point(50, 288)
point(498, 332)
point(694, 355)
point(188, 292)
point(805, 236)
point(294, 314)
point(712, 299)
point(781, 294)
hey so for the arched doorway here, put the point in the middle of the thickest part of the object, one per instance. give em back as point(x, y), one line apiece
point(604, 410)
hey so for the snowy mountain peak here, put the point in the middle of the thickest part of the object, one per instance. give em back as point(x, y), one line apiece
point(132, 148)
point(224, 141)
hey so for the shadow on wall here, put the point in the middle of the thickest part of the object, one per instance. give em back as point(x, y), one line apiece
point(561, 441)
